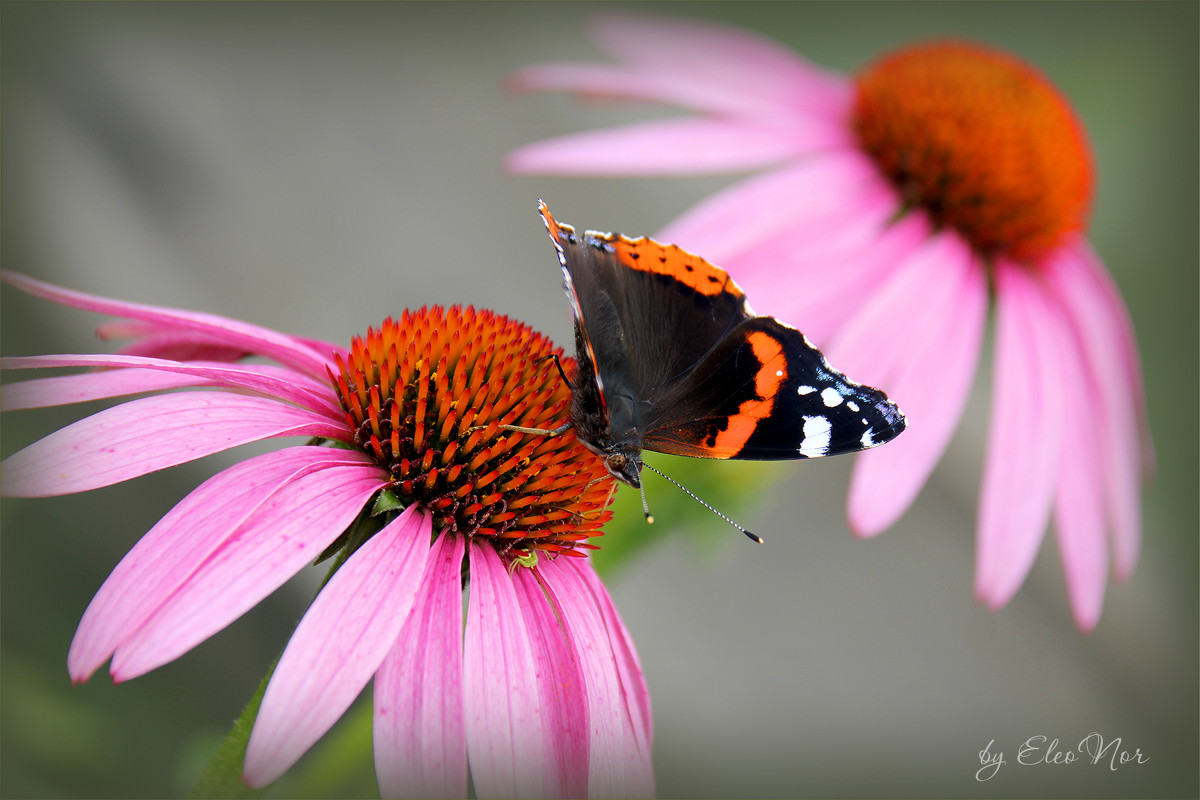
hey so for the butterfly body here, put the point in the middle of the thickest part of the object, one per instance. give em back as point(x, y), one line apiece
point(670, 358)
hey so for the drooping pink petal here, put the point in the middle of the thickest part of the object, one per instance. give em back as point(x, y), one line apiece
point(629, 668)
point(875, 343)
point(1025, 435)
point(150, 434)
point(286, 531)
point(510, 733)
point(837, 285)
point(188, 534)
point(1079, 512)
point(229, 332)
point(674, 147)
point(1110, 356)
point(724, 57)
point(618, 704)
point(419, 737)
point(268, 380)
point(925, 362)
point(338, 645)
point(560, 685)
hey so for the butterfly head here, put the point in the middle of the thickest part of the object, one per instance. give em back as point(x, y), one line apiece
point(624, 466)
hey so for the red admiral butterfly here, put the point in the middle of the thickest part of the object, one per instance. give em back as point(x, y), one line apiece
point(671, 359)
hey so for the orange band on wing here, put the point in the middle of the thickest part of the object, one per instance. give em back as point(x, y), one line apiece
point(772, 372)
point(692, 271)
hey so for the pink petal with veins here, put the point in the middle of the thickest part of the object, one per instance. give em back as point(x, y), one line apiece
point(511, 734)
point(338, 645)
point(69, 389)
point(222, 330)
point(171, 552)
point(419, 734)
point(150, 434)
point(278, 537)
point(281, 383)
point(620, 763)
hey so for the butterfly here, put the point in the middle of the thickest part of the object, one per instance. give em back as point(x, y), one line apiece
point(671, 359)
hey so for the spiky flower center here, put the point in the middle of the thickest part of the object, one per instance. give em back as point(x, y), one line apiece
point(980, 140)
point(426, 395)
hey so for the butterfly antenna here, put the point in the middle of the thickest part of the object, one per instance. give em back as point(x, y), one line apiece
point(751, 536)
point(645, 505)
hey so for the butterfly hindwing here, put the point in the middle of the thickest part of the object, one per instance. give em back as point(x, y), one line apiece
point(765, 393)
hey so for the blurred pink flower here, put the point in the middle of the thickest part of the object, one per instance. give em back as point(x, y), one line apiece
point(893, 203)
point(539, 689)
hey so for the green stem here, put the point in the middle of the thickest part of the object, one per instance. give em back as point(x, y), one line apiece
point(222, 777)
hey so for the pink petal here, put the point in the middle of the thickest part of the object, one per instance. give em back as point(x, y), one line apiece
point(284, 384)
point(612, 81)
point(560, 685)
point(1110, 358)
point(420, 741)
point(512, 736)
point(924, 362)
point(736, 219)
point(629, 667)
point(229, 332)
point(150, 434)
point(1025, 437)
point(674, 147)
point(189, 533)
point(157, 341)
point(1079, 507)
point(68, 389)
point(724, 57)
point(338, 645)
point(285, 532)
point(618, 704)
point(105, 384)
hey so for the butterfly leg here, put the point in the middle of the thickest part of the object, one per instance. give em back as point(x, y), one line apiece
point(559, 431)
point(558, 363)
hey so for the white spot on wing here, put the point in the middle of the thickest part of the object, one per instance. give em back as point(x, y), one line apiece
point(816, 437)
point(831, 397)
point(803, 390)
point(853, 406)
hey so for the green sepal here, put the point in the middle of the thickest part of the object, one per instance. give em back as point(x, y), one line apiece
point(386, 501)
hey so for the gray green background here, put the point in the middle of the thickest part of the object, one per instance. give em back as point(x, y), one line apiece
point(316, 167)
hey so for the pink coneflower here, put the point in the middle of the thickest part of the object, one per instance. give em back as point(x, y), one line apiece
point(895, 203)
point(406, 478)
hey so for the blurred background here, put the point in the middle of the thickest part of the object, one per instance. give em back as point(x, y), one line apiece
point(314, 168)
